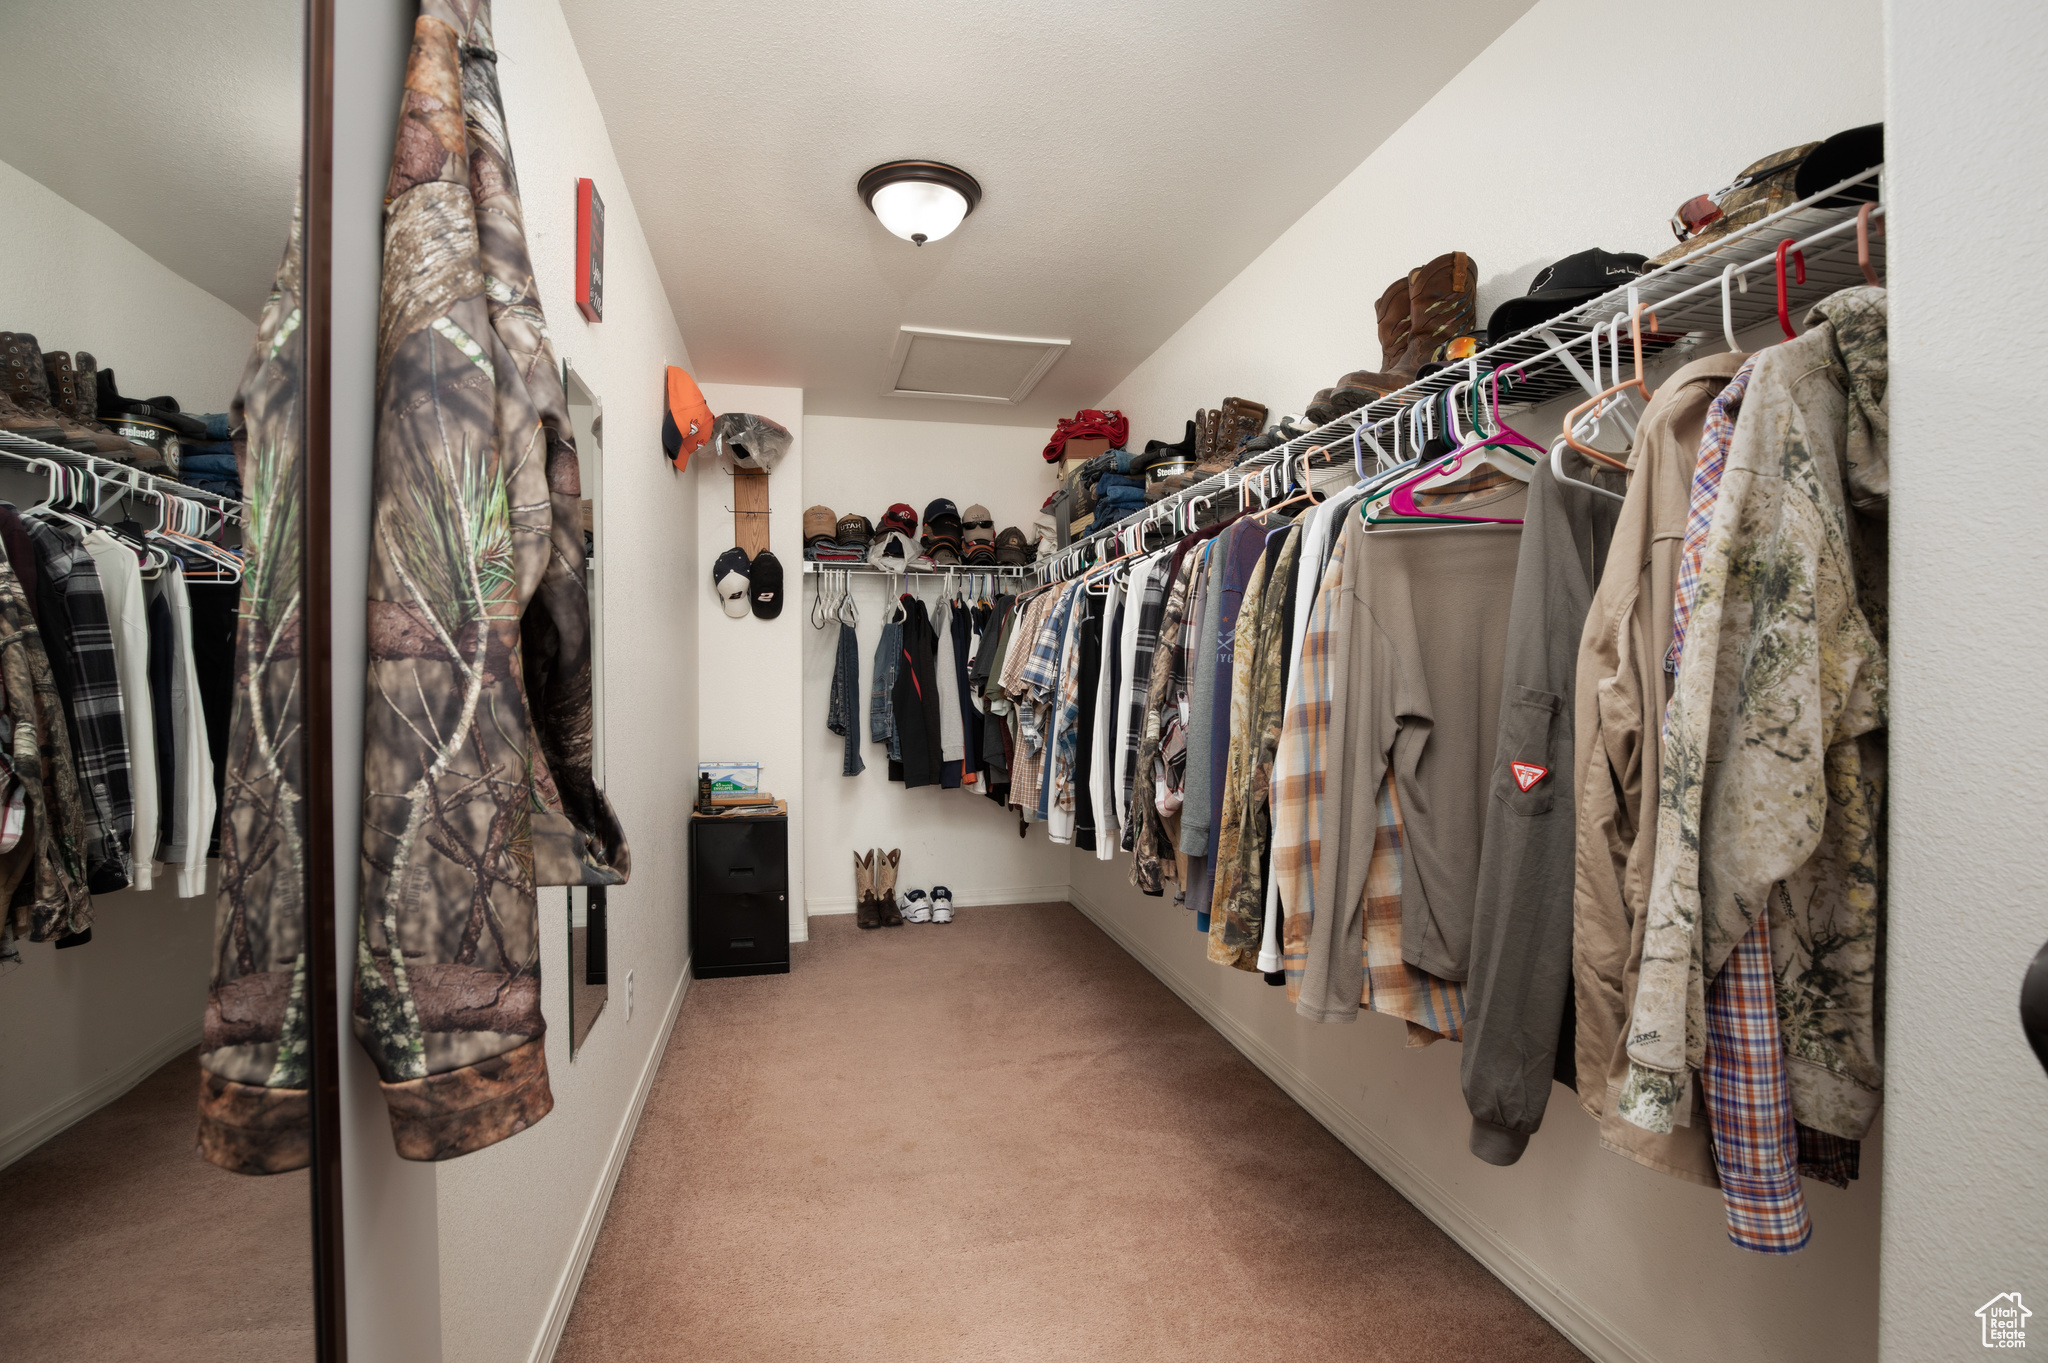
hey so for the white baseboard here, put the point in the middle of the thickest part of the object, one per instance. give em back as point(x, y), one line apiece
point(1021, 894)
point(1575, 1320)
point(601, 1200)
point(32, 1131)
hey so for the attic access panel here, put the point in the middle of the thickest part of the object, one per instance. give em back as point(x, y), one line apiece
point(968, 366)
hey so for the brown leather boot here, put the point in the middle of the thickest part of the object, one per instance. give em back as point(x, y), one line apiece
point(866, 912)
point(26, 378)
point(885, 886)
point(15, 421)
point(1443, 303)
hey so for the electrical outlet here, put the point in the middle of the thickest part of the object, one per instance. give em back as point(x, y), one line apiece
point(629, 996)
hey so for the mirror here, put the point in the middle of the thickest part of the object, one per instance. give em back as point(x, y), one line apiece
point(588, 987)
point(150, 152)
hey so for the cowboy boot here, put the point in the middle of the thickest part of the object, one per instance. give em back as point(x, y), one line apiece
point(866, 912)
point(885, 886)
point(1443, 303)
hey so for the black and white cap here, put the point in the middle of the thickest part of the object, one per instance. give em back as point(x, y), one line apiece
point(764, 586)
point(731, 578)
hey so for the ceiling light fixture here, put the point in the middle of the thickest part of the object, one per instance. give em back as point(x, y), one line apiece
point(919, 201)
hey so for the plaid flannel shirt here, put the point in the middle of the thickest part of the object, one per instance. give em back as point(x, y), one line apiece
point(93, 704)
point(1718, 434)
point(1749, 1102)
point(1431, 1006)
point(1151, 605)
point(1298, 768)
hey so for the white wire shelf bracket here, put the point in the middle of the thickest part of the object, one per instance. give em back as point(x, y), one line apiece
point(29, 450)
point(1725, 288)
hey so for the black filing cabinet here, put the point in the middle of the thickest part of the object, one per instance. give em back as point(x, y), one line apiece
point(739, 895)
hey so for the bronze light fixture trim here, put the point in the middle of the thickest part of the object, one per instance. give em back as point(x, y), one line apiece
point(919, 201)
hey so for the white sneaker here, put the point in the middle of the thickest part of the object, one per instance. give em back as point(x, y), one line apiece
point(916, 908)
point(942, 904)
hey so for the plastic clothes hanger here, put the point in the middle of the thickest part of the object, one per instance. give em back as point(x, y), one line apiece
point(1728, 307)
point(1863, 232)
point(1598, 403)
point(848, 611)
point(1784, 308)
point(818, 601)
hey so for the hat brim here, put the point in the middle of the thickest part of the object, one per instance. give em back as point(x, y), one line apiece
point(1517, 315)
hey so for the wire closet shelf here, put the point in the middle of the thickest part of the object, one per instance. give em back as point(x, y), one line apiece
point(1720, 290)
point(114, 474)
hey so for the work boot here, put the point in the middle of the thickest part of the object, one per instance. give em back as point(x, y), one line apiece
point(885, 886)
point(15, 421)
point(1442, 304)
point(867, 912)
point(27, 381)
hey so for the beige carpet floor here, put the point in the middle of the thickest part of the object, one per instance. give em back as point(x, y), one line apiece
point(1003, 1139)
point(118, 1243)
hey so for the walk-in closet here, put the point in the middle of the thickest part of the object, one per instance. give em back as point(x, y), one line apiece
point(1146, 682)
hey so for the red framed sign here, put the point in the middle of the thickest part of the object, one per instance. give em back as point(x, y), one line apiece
point(589, 252)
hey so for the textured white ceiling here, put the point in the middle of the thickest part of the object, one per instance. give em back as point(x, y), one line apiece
point(176, 124)
point(1134, 155)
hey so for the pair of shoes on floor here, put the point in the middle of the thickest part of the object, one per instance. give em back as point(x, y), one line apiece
point(874, 882)
point(936, 907)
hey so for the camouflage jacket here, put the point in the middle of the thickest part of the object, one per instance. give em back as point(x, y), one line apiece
point(477, 726)
point(1772, 780)
point(1237, 919)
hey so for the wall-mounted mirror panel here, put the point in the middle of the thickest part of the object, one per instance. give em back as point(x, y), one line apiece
point(589, 954)
point(153, 982)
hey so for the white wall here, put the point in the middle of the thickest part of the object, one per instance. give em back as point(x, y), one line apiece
point(955, 838)
point(516, 1220)
point(1516, 164)
point(76, 284)
point(1966, 1104)
point(750, 683)
point(86, 1023)
point(1501, 164)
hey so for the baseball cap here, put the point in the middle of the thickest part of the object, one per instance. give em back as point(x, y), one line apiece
point(764, 585)
point(855, 531)
point(1559, 286)
point(729, 579)
point(742, 440)
point(686, 420)
point(898, 518)
point(819, 524)
point(978, 534)
point(1012, 549)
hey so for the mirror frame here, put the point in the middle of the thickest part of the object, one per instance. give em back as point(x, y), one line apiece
point(316, 166)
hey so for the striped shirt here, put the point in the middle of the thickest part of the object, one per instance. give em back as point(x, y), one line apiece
point(1715, 439)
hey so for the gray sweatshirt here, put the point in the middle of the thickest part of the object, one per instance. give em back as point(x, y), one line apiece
point(1520, 975)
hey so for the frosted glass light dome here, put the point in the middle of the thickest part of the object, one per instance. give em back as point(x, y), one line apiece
point(920, 201)
point(919, 211)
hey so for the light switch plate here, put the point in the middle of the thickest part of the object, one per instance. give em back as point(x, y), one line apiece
point(629, 996)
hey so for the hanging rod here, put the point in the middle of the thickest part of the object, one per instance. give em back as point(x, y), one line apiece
point(1706, 292)
point(28, 450)
point(936, 570)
